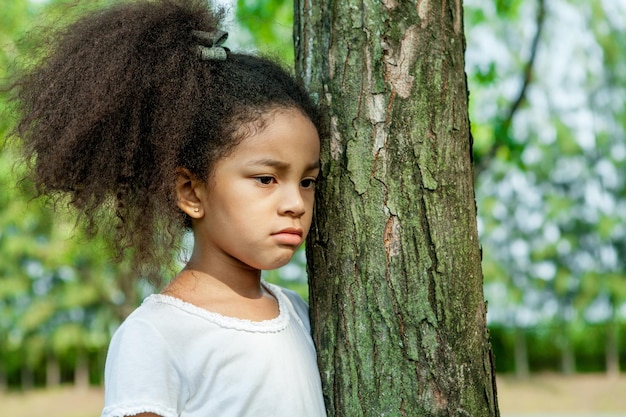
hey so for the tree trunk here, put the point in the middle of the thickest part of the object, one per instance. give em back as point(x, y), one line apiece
point(568, 358)
point(612, 348)
point(566, 346)
point(4, 380)
point(53, 371)
point(394, 261)
point(81, 371)
point(522, 367)
point(27, 378)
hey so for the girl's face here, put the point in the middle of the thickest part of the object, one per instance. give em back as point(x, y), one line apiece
point(258, 204)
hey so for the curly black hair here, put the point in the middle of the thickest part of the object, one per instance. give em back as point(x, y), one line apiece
point(122, 100)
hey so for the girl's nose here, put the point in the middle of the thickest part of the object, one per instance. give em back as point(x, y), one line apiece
point(292, 202)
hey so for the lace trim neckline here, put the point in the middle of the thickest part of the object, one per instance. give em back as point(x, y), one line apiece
point(276, 324)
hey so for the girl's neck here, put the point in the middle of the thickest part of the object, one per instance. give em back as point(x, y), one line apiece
point(233, 293)
point(201, 279)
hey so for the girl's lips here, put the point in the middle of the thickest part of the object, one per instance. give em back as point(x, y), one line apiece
point(290, 237)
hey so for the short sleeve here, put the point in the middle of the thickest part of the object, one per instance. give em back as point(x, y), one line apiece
point(141, 374)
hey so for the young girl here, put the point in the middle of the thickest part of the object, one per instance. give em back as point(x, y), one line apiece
point(150, 126)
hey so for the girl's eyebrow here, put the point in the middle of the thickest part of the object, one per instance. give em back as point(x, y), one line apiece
point(280, 165)
point(274, 163)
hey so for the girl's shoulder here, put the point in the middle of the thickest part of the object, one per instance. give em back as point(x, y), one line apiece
point(292, 301)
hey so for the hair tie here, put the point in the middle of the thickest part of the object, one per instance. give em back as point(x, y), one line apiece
point(209, 46)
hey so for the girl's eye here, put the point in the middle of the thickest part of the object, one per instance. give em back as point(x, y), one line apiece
point(307, 183)
point(264, 180)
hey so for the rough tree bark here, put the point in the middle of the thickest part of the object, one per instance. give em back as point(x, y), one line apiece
point(394, 261)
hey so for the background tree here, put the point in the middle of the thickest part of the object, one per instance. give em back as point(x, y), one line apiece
point(547, 82)
point(551, 199)
point(394, 263)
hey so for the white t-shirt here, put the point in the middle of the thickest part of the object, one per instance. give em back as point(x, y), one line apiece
point(174, 359)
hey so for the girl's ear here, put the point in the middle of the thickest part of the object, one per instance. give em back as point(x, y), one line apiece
point(189, 193)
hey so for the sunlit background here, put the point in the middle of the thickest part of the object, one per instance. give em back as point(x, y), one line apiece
point(547, 81)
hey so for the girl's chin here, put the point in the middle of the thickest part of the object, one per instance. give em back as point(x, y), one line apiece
point(277, 263)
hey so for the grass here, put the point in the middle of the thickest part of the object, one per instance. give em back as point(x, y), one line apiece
point(545, 395)
point(581, 394)
point(54, 402)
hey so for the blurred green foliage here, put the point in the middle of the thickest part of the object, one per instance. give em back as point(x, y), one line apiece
point(60, 293)
point(550, 192)
point(552, 206)
point(267, 26)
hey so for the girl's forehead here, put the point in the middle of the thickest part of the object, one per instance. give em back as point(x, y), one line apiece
point(275, 122)
point(266, 116)
point(285, 135)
